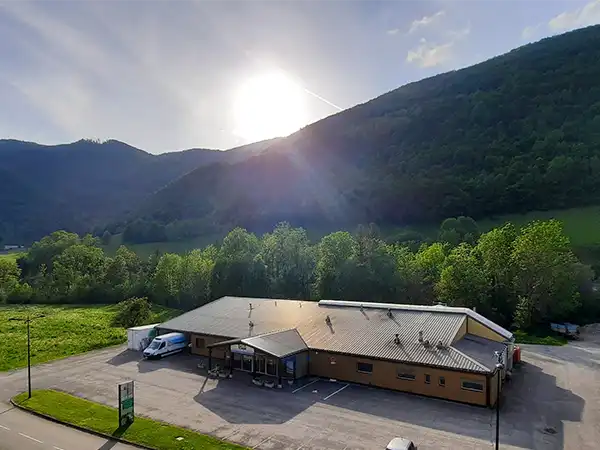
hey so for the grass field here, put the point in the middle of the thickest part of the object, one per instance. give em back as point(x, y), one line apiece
point(63, 331)
point(11, 255)
point(104, 419)
point(582, 225)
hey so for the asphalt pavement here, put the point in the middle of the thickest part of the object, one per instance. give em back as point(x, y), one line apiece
point(23, 431)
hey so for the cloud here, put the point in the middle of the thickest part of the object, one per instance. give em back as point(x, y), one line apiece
point(589, 14)
point(460, 34)
point(430, 55)
point(530, 32)
point(425, 21)
point(393, 31)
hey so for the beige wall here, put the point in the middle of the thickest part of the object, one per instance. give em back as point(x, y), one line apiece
point(197, 349)
point(478, 329)
point(385, 375)
point(461, 331)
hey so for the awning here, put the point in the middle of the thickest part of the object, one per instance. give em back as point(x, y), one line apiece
point(278, 343)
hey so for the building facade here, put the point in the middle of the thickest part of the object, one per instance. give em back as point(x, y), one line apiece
point(436, 351)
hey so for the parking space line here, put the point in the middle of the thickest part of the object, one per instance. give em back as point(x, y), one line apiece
point(57, 448)
point(29, 437)
point(339, 390)
point(302, 387)
point(4, 428)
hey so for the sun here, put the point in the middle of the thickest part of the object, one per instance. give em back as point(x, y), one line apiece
point(269, 105)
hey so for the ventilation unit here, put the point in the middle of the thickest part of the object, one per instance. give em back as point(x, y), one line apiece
point(440, 345)
point(397, 339)
point(251, 324)
point(389, 312)
point(249, 305)
point(421, 336)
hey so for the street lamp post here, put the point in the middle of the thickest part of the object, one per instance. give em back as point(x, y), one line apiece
point(499, 367)
point(28, 321)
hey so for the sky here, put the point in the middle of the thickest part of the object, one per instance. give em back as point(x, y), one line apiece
point(171, 75)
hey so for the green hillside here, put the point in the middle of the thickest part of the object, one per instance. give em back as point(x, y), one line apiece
point(517, 133)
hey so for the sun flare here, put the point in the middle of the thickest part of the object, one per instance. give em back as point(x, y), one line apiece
point(269, 105)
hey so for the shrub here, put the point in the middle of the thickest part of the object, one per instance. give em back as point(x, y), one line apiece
point(133, 312)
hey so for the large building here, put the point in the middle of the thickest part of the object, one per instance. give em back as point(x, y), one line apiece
point(438, 351)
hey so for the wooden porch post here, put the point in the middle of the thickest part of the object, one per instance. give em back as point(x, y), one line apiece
point(210, 358)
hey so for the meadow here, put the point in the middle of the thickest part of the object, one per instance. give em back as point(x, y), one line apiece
point(61, 331)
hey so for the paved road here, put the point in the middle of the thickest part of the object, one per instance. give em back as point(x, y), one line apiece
point(22, 431)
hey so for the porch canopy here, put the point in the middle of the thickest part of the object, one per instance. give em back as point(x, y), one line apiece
point(279, 344)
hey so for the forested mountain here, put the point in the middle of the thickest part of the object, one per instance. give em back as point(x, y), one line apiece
point(77, 186)
point(515, 133)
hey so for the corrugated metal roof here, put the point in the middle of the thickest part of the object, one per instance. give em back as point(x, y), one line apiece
point(279, 343)
point(449, 309)
point(480, 349)
point(352, 330)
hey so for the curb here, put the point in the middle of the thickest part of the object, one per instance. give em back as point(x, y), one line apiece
point(77, 427)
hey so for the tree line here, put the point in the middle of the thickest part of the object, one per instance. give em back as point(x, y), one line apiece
point(522, 277)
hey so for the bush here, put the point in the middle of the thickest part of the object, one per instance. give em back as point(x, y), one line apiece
point(133, 312)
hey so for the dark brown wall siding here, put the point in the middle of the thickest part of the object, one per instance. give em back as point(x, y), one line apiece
point(218, 353)
point(385, 375)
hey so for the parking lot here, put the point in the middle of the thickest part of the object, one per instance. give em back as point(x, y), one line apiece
point(553, 402)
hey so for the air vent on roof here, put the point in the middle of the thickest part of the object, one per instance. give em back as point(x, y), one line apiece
point(440, 345)
point(275, 302)
point(397, 340)
point(300, 304)
point(427, 343)
point(441, 304)
point(250, 305)
point(389, 312)
point(474, 309)
point(328, 320)
point(420, 336)
point(251, 324)
point(361, 307)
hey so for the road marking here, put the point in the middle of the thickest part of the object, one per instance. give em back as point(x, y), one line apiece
point(57, 448)
point(339, 390)
point(29, 437)
point(302, 387)
point(4, 428)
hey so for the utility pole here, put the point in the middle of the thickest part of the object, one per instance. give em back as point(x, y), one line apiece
point(499, 367)
point(28, 321)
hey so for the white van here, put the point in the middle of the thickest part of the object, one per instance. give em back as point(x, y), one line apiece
point(165, 345)
point(401, 444)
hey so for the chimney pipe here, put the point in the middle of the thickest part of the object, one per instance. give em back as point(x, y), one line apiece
point(250, 305)
point(397, 339)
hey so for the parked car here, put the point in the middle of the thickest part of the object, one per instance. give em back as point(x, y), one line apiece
point(399, 443)
point(165, 345)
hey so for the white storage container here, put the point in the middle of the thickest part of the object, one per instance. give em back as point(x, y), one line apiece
point(138, 338)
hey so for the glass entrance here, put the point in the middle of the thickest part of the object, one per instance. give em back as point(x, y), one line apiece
point(260, 364)
point(247, 363)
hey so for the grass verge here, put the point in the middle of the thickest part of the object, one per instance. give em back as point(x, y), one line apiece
point(63, 331)
point(104, 420)
point(521, 337)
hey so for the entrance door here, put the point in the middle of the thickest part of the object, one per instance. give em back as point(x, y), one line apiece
point(247, 363)
point(260, 364)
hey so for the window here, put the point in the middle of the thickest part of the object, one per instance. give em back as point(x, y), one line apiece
point(364, 367)
point(471, 386)
point(442, 381)
point(271, 366)
point(427, 378)
point(200, 343)
point(406, 376)
point(162, 345)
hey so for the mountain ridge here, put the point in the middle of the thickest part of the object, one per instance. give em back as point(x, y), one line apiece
point(512, 134)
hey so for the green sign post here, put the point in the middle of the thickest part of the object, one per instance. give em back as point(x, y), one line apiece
point(126, 414)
